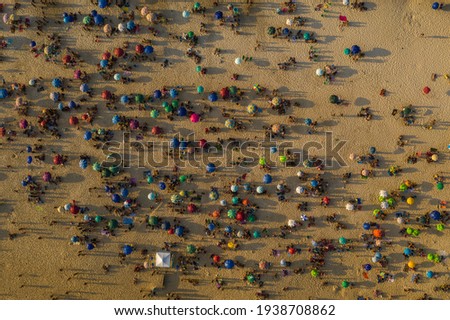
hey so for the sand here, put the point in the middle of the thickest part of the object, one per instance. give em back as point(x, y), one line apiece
point(404, 42)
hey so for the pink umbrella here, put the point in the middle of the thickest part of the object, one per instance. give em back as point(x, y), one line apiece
point(202, 143)
point(77, 74)
point(134, 124)
point(195, 118)
point(23, 124)
point(47, 176)
point(343, 18)
point(191, 208)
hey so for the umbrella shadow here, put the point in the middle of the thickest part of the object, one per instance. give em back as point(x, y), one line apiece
point(346, 72)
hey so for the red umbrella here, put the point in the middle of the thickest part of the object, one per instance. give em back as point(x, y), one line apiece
point(77, 74)
point(118, 52)
point(2, 131)
point(43, 123)
point(326, 200)
point(171, 231)
point(106, 95)
point(224, 93)
point(106, 55)
point(216, 258)
point(139, 48)
point(202, 143)
point(66, 59)
point(240, 216)
point(85, 116)
point(426, 90)
point(191, 208)
point(291, 250)
point(195, 118)
point(73, 121)
point(58, 159)
point(156, 130)
point(74, 209)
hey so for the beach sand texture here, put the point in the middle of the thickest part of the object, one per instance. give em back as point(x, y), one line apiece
point(404, 43)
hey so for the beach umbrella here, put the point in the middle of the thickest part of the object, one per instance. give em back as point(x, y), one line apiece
point(107, 28)
point(252, 108)
point(134, 124)
point(117, 76)
point(157, 94)
point(154, 113)
point(435, 5)
point(426, 90)
point(440, 227)
point(276, 101)
point(229, 264)
point(131, 25)
point(144, 11)
point(211, 226)
point(102, 4)
point(175, 198)
point(372, 150)
point(224, 93)
point(106, 95)
point(156, 130)
point(430, 274)
point(320, 72)
point(407, 252)
point(68, 19)
point(291, 223)
point(347, 51)
point(271, 31)
point(152, 17)
point(191, 208)
point(103, 63)
point(153, 221)
point(173, 93)
point(152, 196)
point(186, 14)
point(118, 52)
point(84, 87)
point(355, 49)
point(57, 82)
point(47, 176)
point(29, 159)
point(440, 185)
point(314, 273)
point(162, 185)
point(127, 250)
point(300, 190)
point(230, 123)
point(139, 48)
point(307, 36)
point(378, 233)
point(218, 15)
point(77, 74)
point(3, 93)
point(200, 89)
point(98, 20)
point(314, 183)
point(334, 99)
point(115, 198)
point(87, 20)
point(410, 201)
point(435, 215)
point(121, 27)
point(435, 157)
point(210, 167)
point(342, 240)
point(179, 231)
point(276, 128)
point(349, 207)
point(231, 214)
point(212, 97)
point(90, 246)
point(367, 267)
point(124, 99)
point(139, 98)
point(267, 178)
point(174, 143)
point(260, 190)
point(191, 249)
point(73, 121)
point(202, 143)
point(238, 61)
point(54, 96)
point(411, 264)
point(174, 104)
point(345, 284)
point(87, 135)
point(194, 118)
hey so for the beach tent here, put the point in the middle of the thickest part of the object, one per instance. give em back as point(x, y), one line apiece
point(162, 259)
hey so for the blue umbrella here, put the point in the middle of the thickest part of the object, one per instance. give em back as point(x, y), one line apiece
point(115, 198)
point(127, 221)
point(61, 106)
point(29, 159)
point(229, 264)
point(179, 231)
point(83, 163)
point(211, 226)
point(3, 93)
point(54, 96)
point(267, 178)
point(103, 63)
point(210, 167)
point(308, 121)
point(124, 192)
point(372, 150)
point(218, 15)
point(162, 186)
point(165, 225)
point(98, 20)
point(115, 119)
point(285, 31)
point(213, 97)
point(33, 44)
point(314, 183)
point(435, 5)
point(94, 13)
point(430, 274)
point(366, 226)
point(182, 111)
point(88, 135)
point(435, 215)
point(124, 99)
point(247, 186)
point(72, 104)
point(74, 239)
point(183, 145)
point(407, 252)
point(228, 229)
point(127, 250)
point(355, 49)
point(84, 87)
point(173, 93)
point(89, 246)
point(68, 19)
point(175, 143)
point(29, 149)
point(157, 94)
point(367, 267)
point(130, 25)
point(102, 4)
point(148, 49)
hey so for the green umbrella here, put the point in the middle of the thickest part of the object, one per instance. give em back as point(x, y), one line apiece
point(87, 20)
point(314, 273)
point(347, 51)
point(190, 34)
point(251, 218)
point(113, 224)
point(256, 234)
point(235, 200)
point(251, 278)
point(440, 185)
point(168, 108)
point(197, 5)
point(97, 166)
point(106, 173)
point(114, 170)
point(183, 178)
point(345, 284)
point(98, 219)
point(153, 221)
point(154, 113)
point(213, 195)
point(231, 214)
point(342, 240)
point(232, 90)
point(191, 249)
point(200, 89)
point(440, 227)
point(271, 31)
point(149, 179)
point(307, 36)
point(139, 98)
point(334, 99)
point(175, 104)
point(198, 68)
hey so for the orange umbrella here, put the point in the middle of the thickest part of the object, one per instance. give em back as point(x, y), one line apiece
point(378, 233)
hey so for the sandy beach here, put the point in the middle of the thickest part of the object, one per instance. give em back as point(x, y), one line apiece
point(404, 49)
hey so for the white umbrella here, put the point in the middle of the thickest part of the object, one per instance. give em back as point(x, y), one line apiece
point(162, 259)
point(352, 156)
point(400, 220)
point(384, 205)
point(383, 193)
point(238, 61)
point(291, 223)
point(320, 72)
point(300, 190)
point(290, 22)
point(349, 207)
point(122, 27)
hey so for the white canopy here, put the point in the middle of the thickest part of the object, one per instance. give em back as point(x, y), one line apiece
point(163, 259)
